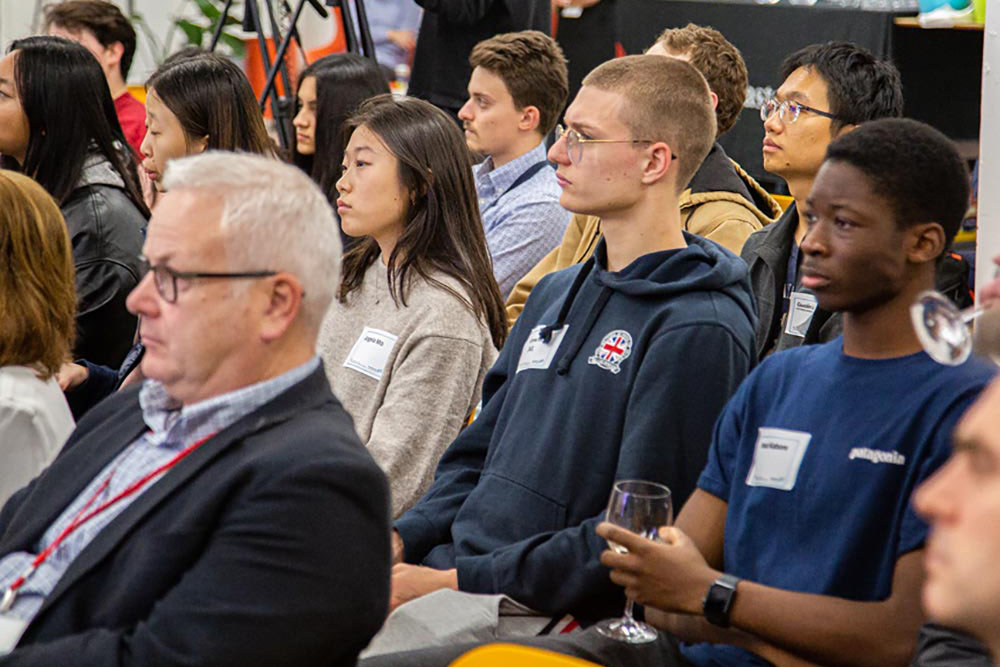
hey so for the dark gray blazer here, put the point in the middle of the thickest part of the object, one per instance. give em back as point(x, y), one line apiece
point(268, 545)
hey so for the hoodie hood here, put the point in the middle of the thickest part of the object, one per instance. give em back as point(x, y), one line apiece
point(719, 178)
point(703, 266)
point(98, 170)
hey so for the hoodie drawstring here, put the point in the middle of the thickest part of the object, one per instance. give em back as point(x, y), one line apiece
point(571, 352)
point(546, 334)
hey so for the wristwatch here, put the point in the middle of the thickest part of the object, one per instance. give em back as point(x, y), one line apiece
point(719, 600)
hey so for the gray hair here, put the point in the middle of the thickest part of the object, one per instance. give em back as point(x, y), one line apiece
point(274, 217)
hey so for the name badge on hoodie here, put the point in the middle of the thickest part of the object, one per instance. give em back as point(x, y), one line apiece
point(538, 354)
point(371, 352)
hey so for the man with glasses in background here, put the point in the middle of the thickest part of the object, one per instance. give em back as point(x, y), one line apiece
point(226, 504)
point(616, 370)
point(827, 91)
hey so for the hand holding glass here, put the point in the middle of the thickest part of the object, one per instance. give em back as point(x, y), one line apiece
point(641, 507)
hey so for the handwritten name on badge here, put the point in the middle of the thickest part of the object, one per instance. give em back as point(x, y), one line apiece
point(777, 458)
point(536, 353)
point(371, 352)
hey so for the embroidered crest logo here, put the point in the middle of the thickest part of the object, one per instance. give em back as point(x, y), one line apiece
point(613, 350)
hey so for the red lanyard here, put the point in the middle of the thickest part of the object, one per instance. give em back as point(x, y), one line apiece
point(83, 516)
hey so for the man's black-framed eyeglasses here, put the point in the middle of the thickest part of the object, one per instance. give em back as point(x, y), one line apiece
point(789, 111)
point(165, 278)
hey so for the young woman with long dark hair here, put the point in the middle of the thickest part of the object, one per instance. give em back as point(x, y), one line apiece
point(196, 103)
point(419, 318)
point(329, 91)
point(58, 126)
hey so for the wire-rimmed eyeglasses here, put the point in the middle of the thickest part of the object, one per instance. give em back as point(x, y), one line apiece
point(789, 111)
point(575, 143)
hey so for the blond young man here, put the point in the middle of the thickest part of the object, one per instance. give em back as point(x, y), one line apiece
point(721, 203)
point(596, 383)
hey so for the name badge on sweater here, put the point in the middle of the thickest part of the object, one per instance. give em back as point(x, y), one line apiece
point(538, 354)
point(11, 630)
point(800, 313)
point(371, 352)
point(777, 457)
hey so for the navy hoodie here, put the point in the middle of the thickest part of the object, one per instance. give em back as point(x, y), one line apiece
point(649, 358)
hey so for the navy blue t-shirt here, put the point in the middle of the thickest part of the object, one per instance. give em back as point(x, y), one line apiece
point(817, 455)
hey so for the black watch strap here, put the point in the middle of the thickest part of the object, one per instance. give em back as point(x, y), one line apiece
point(719, 600)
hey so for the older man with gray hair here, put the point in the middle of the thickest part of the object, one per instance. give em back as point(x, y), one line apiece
point(223, 513)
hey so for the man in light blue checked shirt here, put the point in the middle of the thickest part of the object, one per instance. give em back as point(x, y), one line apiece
point(517, 91)
point(225, 512)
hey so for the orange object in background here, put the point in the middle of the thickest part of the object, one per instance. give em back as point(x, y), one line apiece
point(257, 73)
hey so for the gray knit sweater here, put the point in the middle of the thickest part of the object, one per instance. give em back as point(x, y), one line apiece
point(409, 376)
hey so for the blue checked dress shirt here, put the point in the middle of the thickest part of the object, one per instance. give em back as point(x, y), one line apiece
point(386, 15)
point(524, 224)
point(171, 429)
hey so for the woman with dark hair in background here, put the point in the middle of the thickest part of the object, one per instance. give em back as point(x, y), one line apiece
point(196, 103)
point(58, 126)
point(37, 309)
point(330, 90)
point(419, 318)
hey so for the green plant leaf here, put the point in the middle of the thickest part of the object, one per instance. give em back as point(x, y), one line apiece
point(194, 33)
point(209, 10)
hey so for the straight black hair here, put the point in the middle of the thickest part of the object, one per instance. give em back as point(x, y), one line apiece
point(443, 232)
point(343, 82)
point(860, 86)
point(212, 97)
point(71, 115)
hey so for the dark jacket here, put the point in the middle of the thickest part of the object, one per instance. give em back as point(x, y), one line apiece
point(268, 545)
point(766, 253)
point(650, 356)
point(106, 231)
point(449, 30)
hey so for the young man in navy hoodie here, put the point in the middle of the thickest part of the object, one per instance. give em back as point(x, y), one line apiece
point(617, 368)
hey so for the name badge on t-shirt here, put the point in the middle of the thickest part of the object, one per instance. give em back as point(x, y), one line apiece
point(801, 307)
point(777, 457)
point(11, 630)
point(536, 353)
point(371, 352)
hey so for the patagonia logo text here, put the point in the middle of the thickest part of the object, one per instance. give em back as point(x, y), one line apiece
point(877, 456)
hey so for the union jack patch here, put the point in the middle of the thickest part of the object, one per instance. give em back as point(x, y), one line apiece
point(613, 350)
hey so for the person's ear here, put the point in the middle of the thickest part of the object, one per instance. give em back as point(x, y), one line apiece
point(199, 145)
point(530, 117)
point(925, 241)
point(281, 307)
point(658, 159)
point(113, 54)
point(715, 99)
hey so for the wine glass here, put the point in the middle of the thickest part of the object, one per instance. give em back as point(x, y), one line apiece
point(943, 329)
point(641, 507)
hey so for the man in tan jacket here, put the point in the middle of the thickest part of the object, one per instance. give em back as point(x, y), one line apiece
point(722, 202)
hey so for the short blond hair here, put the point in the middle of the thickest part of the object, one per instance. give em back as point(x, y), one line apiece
point(37, 294)
point(666, 99)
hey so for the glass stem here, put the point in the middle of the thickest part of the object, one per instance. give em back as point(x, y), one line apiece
point(971, 313)
point(628, 609)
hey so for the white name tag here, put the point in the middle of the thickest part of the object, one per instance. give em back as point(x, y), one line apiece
point(371, 352)
point(777, 458)
point(538, 354)
point(11, 630)
point(800, 313)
